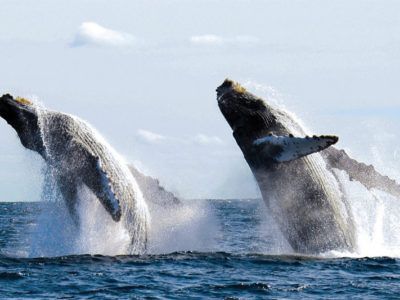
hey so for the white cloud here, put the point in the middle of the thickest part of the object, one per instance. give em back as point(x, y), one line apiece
point(199, 139)
point(207, 39)
point(149, 136)
point(203, 139)
point(91, 33)
point(215, 40)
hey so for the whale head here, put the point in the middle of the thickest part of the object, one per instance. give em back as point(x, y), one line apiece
point(22, 115)
point(264, 133)
point(249, 116)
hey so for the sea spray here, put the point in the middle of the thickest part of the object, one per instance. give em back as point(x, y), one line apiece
point(98, 233)
point(189, 226)
point(376, 216)
point(177, 224)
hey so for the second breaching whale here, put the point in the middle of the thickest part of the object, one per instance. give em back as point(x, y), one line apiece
point(76, 155)
point(294, 172)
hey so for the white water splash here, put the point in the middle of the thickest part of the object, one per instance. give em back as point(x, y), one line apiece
point(56, 234)
point(376, 215)
point(190, 226)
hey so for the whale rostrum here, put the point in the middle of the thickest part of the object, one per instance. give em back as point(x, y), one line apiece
point(77, 155)
point(295, 172)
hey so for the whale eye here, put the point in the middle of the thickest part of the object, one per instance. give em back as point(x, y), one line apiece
point(23, 101)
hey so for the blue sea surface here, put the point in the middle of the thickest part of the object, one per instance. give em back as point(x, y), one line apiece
point(237, 269)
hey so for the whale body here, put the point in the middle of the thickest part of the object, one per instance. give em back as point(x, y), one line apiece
point(295, 173)
point(76, 155)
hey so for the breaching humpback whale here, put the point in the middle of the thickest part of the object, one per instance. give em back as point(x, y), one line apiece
point(294, 172)
point(76, 155)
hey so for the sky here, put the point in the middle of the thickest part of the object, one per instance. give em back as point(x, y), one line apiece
point(144, 73)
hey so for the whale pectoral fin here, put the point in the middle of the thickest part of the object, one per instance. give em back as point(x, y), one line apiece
point(288, 148)
point(98, 181)
point(367, 175)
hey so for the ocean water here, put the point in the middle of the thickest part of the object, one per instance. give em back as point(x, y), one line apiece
point(209, 249)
